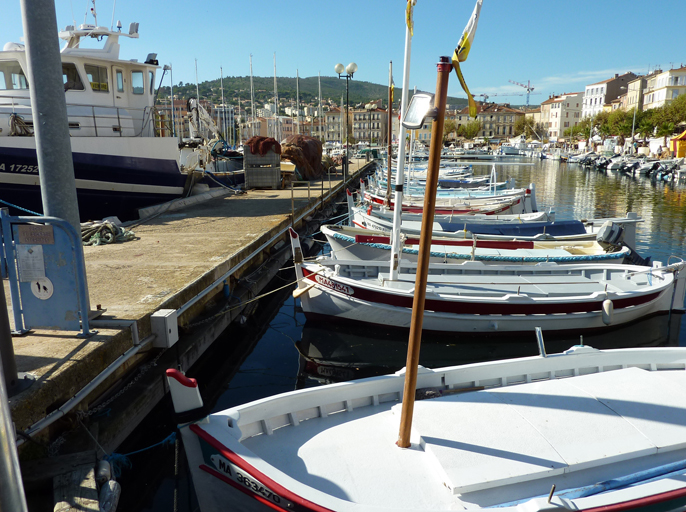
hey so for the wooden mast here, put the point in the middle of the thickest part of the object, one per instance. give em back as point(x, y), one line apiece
point(440, 100)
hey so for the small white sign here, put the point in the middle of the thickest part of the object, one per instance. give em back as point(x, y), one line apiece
point(42, 288)
point(31, 262)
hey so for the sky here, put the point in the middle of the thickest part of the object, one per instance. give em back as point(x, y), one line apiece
point(558, 46)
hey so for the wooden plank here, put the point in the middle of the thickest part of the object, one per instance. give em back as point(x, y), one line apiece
point(76, 491)
point(37, 471)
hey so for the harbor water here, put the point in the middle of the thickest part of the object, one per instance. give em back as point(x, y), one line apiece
point(276, 350)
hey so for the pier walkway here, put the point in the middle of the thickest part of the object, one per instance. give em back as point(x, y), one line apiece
point(176, 256)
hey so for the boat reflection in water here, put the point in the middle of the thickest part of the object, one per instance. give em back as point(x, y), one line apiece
point(335, 353)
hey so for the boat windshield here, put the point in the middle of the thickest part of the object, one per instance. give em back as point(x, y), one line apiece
point(70, 77)
point(12, 76)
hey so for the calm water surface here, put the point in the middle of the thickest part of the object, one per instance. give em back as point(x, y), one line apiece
point(278, 351)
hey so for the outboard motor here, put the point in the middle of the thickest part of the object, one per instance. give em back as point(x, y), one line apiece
point(610, 235)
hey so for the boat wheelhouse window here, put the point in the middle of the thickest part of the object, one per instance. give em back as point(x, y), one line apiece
point(97, 76)
point(70, 77)
point(120, 80)
point(137, 82)
point(152, 81)
point(12, 76)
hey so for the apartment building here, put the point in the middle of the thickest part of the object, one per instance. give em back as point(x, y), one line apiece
point(559, 113)
point(661, 88)
point(598, 94)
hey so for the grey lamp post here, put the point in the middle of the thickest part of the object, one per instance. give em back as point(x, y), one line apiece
point(350, 70)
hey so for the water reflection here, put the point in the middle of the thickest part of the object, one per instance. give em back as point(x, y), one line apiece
point(274, 352)
point(333, 353)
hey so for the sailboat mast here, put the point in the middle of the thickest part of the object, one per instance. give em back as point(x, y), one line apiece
point(297, 99)
point(276, 106)
point(399, 172)
point(197, 93)
point(388, 159)
point(320, 108)
point(252, 102)
point(440, 100)
point(221, 78)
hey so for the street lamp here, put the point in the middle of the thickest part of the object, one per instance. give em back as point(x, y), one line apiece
point(350, 69)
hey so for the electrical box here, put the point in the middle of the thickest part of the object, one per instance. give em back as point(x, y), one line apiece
point(165, 327)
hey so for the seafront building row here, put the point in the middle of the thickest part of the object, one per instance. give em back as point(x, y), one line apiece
point(369, 123)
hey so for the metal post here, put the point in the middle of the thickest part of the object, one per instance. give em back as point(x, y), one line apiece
point(292, 208)
point(49, 110)
point(6, 348)
point(50, 119)
point(11, 486)
point(633, 123)
point(347, 105)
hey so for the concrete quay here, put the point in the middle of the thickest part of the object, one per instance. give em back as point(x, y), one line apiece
point(177, 261)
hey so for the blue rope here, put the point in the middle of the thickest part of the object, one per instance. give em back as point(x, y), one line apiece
point(20, 208)
point(120, 461)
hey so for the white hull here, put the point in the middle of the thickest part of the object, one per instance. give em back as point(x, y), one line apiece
point(496, 434)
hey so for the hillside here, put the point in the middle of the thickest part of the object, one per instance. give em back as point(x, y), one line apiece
point(332, 89)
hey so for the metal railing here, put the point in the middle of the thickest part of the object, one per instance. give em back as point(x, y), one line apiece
point(79, 114)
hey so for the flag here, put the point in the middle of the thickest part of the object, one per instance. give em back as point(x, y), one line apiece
point(408, 15)
point(462, 52)
point(392, 90)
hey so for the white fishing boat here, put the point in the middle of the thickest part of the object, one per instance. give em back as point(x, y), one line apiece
point(382, 212)
point(350, 243)
point(532, 226)
point(476, 297)
point(583, 430)
point(125, 155)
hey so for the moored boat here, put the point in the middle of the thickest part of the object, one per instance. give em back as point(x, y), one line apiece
point(583, 430)
point(487, 298)
point(350, 243)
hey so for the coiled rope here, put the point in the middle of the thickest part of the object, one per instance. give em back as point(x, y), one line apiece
point(104, 232)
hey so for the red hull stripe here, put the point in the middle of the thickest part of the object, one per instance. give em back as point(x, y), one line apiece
point(474, 308)
point(640, 503)
point(488, 244)
point(248, 468)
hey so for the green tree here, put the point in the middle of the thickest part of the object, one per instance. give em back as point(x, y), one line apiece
point(450, 126)
point(520, 125)
point(471, 129)
point(646, 127)
point(665, 130)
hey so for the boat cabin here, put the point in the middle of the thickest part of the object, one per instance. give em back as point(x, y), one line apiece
point(106, 96)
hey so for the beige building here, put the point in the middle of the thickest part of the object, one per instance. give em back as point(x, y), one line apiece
point(334, 124)
point(369, 124)
point(497, 120)
point(597, 95)
point(559, 113)
point(662, 88)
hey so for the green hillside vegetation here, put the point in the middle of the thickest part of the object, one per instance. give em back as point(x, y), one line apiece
point(332, 88)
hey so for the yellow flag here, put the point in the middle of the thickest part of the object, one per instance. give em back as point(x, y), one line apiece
point(462, 52)
point(392, 90)
point(408, 15)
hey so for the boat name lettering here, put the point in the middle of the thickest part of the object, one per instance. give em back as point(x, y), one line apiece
point(237, 475)
point(257, 488)
point(33, 169)
point(338, 287)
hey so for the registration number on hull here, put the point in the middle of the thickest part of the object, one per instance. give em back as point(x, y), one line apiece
point(239, 476)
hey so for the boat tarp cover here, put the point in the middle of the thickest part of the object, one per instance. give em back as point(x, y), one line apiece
point(558, 228)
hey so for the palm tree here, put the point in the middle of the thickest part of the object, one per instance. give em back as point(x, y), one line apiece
point(664, 130)
point(646, 128)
